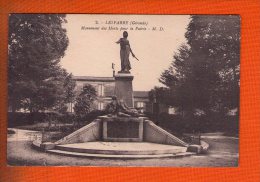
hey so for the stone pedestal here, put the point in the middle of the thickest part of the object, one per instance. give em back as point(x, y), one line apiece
point(124, 88)
point(116, 129)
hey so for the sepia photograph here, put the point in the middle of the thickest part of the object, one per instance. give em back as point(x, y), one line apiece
point(123, 90)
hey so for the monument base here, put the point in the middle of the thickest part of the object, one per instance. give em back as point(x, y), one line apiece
point(124, 88)
point(117, 137)
point(120, 129)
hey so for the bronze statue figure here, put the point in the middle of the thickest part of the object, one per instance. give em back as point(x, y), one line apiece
point(125, 50)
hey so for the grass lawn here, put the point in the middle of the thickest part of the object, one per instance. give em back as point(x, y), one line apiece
point(45, 126)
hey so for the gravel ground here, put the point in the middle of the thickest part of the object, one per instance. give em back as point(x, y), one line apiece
point(223, 152)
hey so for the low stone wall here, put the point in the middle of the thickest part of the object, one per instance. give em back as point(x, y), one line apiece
point(88, 133)
point(155, 134)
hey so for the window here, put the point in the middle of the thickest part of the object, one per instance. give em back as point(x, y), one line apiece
point(100, 90)
point(171, 110)
point(79, 88)
point(100, 105)
point(70, 107)
point(141, 106)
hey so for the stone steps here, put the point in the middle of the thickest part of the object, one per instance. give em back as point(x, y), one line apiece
point(78, 154)
point(122, 148)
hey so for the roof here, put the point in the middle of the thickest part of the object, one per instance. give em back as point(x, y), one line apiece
point(143, 94)
point(93, 78)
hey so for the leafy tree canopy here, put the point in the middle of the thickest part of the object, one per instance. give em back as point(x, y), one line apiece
point(85, 100)
point(204, 73)
point(36, 44)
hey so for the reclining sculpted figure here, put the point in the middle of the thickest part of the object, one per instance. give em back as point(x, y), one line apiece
point(119, 108)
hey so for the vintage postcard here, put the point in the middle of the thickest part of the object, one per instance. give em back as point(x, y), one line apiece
point(129, 90)
point(123, 90)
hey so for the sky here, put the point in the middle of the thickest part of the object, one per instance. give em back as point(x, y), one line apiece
point(92, 49)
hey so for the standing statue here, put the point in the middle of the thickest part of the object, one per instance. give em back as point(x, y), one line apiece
point(125, 50)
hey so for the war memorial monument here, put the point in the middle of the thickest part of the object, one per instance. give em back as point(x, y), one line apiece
point(123, 132)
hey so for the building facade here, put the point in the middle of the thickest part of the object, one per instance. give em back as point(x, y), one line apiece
point(105, 89)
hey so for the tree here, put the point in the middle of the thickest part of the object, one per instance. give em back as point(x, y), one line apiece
point(204, 73)
point(177, 79)
point(216, 39)
point(84, 101)
point(162, 95)
point(36, 44)
point(69, 85)
point(67, 96)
